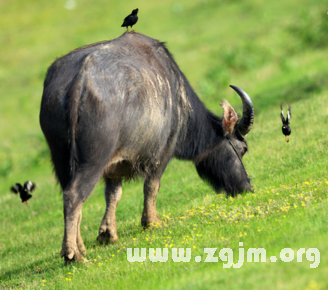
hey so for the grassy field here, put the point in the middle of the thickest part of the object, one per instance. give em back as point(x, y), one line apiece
point(276, 51)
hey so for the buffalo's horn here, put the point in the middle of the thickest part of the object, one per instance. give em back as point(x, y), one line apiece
point(246, 122)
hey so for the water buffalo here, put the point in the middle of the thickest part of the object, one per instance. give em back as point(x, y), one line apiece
point(122, 108)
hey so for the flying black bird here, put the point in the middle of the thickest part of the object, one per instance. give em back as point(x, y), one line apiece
point(285, 123)
point(24, 191)
point(131, 20)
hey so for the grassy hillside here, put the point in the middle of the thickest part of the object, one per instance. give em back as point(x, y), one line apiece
point(276, 51)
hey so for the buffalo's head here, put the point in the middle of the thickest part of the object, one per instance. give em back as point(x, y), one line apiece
point(222, 165)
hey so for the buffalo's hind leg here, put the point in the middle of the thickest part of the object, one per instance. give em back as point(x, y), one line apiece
point(72, 211)
point(149, 214)
point(79, 241)
point(108, 229)
point(74, 196)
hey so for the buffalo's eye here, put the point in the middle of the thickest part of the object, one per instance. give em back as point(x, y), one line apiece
point(245, 149)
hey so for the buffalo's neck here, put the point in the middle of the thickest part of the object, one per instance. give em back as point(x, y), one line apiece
point(201, 133)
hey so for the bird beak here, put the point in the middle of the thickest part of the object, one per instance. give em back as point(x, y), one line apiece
point(287, 139)
point(25, 202)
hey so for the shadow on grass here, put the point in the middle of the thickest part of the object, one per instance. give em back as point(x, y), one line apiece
point(41, 267)
point(54, 264)
point(302, 88)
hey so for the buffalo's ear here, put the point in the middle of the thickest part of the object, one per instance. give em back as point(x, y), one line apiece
point(230, 118)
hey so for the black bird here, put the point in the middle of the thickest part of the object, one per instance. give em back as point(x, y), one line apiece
point(24, 191)
point(131, 20)
point(285, 123)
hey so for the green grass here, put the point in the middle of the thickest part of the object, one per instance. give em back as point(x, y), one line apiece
point(275, 51)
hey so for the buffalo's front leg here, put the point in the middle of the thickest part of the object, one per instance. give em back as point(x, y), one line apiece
point(113, 194)
point(149, 215)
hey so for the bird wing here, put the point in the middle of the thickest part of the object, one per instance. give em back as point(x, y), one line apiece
point(15, 188)
point(289, 114)
point(282, 115)
point(29, 185)
point(127, 20)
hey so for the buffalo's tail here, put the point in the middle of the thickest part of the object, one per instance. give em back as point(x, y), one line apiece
point(72, 113)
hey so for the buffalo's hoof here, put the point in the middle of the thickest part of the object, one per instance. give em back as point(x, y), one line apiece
point(107, 237)
point(71, 255)
point(149, 222)
point(82, 249)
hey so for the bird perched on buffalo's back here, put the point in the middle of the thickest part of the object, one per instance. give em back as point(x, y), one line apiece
point(24, 191)
point(285, 123)
point(131, 20)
